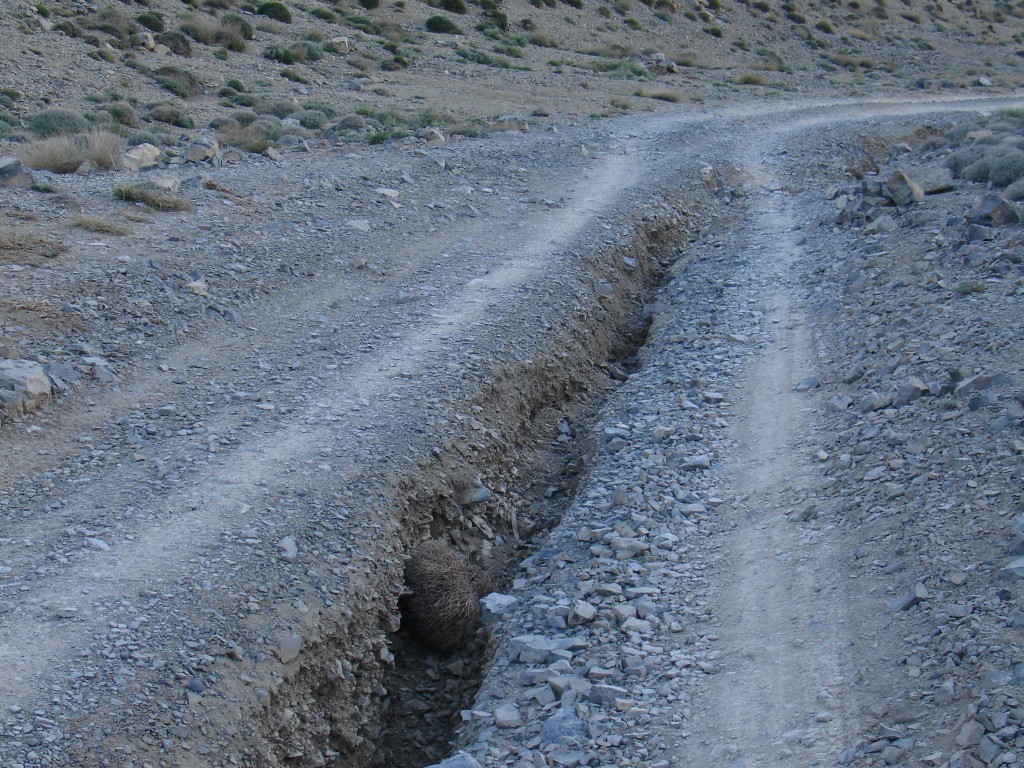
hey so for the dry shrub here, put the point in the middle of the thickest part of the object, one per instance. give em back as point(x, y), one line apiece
point(98, 224)
point(17, 246)
point(153, 197)
point(66, 154)
point(671, 96)
point(443, 608)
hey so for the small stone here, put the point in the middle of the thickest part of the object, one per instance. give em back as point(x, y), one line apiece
point(461, 760)
point(289, 549)
point(196, 685)
point(288, 647)
point(909, 600)
point(811, 382)
point(891, 755)
point(507, 716)
point(564, 727)
point(581, 612)
point(695, 463)
point(970, 734)
point(358, 225)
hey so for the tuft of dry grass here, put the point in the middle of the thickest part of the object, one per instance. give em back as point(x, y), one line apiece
point(671, 96)
point(17, 245)
point(98, 224)
point(66, 154)
point(153, 197)
point(443, 606)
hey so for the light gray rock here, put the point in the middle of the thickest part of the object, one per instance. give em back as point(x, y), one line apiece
point(28, 380)
point(460, 760)
point(564, 727)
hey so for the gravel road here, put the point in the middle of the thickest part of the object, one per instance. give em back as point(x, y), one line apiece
point(201, 558)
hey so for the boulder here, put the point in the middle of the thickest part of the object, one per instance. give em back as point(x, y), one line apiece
point(140, 157)
point(902, 190)
point(13, 174)
point(28, 380)
point(993, 210)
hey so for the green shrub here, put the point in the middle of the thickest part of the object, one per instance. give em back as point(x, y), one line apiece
point(171, 115)
point(151, 20)
point(963, 158)
point(294, 53)
point(122, 113)
point(42, 10)
point(240, 23)
point(68, 28)
point(714, 31)
point(176, 41)
point(442, 25)
point(295, 77)
point(370, 4)
point(577, 4)
point(311, 118)
point(632, 23)
point(452, 6)
point(178, 81)
point(112, 20)
point(324, 14)
point(235, 85)
point(824, 26)
point(276, 11)
point(1007, 169)
point(57, 122)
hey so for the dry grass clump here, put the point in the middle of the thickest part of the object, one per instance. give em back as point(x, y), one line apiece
point(443, 608)
point(991, 151)
point(99, 224)
point(153, 197)
point(673, 97)
point(17, 246)
point(66, 154)
point(230, 31)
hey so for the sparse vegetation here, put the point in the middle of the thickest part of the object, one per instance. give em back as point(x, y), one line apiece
point(967, 288)
point(152, 196)
point(176, 41)
point(66, 154)
point(17, 245)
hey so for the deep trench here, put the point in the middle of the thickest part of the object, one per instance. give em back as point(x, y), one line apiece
point(399, 703)
point(427, 688)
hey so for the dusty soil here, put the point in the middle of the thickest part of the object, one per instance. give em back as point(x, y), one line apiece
point(203, 539)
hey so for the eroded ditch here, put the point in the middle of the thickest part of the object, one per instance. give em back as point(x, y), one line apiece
point(370, 694)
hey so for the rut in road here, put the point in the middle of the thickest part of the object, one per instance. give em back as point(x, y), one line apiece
point(785, 621)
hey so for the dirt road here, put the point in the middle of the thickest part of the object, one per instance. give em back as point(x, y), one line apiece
point(202, 563)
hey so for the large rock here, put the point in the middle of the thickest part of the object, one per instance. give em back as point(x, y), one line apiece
point(13, 174)
point(902, 190)
point(140, 157)
point(993, 210)
point(28, 380)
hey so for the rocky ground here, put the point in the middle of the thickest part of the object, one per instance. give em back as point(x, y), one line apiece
point(791, 541)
